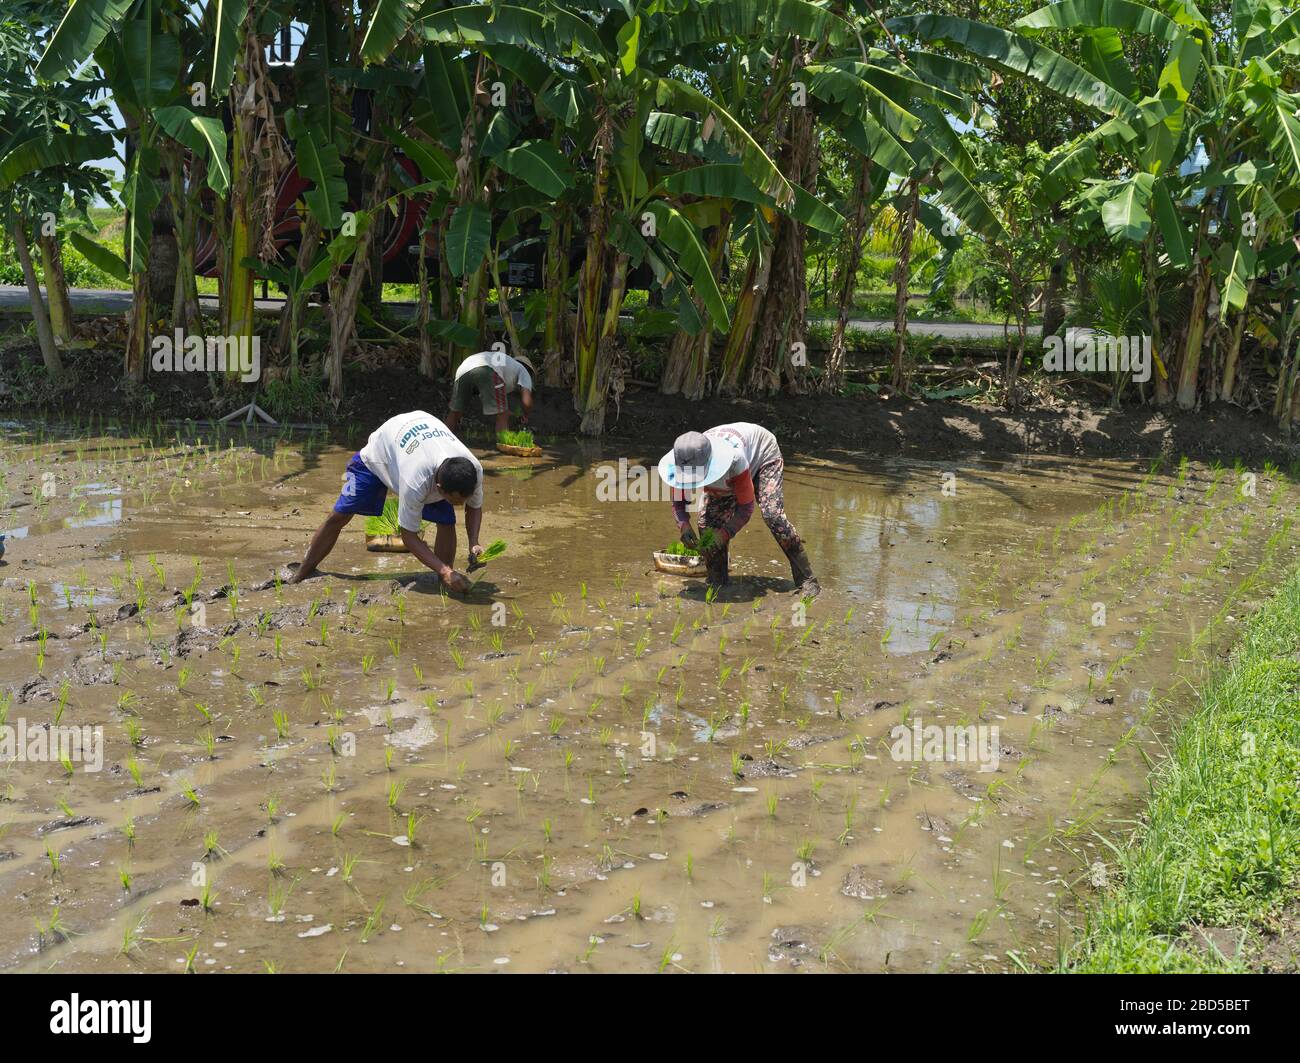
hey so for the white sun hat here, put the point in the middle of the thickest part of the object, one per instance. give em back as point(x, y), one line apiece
point(695, 462)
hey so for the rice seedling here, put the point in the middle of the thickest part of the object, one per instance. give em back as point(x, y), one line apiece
point(372, 922)
point(52, 931)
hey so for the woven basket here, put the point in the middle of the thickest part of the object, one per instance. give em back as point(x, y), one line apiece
point(386, 544)
point(678, 565)
point(520, 452)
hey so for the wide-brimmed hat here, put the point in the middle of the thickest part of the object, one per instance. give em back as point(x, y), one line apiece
point(527, 363)
point(695, 462)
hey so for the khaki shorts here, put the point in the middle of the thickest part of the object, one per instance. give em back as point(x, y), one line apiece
point(487, 385)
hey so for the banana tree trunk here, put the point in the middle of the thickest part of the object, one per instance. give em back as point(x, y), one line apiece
point(903, 281)
point(736, 351)
point(686, 369)
point(286, 337)
point(41, 317)
point(56, 288)
point(847, 278)
point(1189, 370)
point(472, 312)
point(422, 311)
point(554, 365)
point(238, 277)
point(137, 333)
point(1283, 402)
point(447, 293)
point(503, 307)
point(1151, 282)
point(345, 296)
point(588, 395)
point(1233, 356)
point(185, 295)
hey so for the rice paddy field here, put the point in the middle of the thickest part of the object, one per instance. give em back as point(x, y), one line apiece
point(585, 765)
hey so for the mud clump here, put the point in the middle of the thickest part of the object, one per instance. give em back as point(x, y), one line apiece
point(790, 945)
point(68, 823)
point(859, 883)
point(33, 689)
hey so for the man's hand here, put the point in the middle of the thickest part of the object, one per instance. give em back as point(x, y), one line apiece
point(474, 562)
point(457, 582)
point(688, 535)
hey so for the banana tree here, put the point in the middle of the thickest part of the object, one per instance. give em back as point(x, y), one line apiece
point(48, 133)
point(136, 46)
point(622, 70)
point(1216, 92)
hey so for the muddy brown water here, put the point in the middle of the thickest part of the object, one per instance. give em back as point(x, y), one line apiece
point(587, 766)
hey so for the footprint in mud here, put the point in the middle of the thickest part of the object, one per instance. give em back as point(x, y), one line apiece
point(935, 824)
point(694, 808)
point(35, 688)
point(805, 739)
point(961, 782)
point(790, 944)
point(767, 768)
point(69, 823)
point(859, 883)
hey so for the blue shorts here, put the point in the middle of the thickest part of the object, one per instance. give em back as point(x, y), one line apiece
point(364, 494)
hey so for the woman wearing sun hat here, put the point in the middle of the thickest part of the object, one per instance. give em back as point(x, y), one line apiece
point(492, 376)
point(737, 466)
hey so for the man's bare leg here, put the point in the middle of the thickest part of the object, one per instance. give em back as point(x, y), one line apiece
point(444, 544)
point(453, 421)
point(503, 421)
point(321, 544)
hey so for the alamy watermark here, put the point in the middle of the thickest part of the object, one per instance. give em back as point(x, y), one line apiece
point(53, 744)
point(972, 744)
point(180, 353)
point(1089, 351)
point(625, 482)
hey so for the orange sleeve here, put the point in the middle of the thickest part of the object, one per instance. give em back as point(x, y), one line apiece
point(743, 487)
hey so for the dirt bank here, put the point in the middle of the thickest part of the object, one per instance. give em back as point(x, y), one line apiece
point(805, 424)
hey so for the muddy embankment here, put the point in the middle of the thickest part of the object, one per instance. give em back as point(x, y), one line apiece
point(811, 425)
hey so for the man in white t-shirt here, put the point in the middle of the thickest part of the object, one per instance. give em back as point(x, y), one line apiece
point(738, 467)
point(420, 458)
point(491, 377)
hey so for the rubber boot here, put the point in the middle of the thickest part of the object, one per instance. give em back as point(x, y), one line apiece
point(718, 569)
point(801, 569)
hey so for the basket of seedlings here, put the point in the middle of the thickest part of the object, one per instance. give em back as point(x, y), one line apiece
point(521, 444)
point(682, 560)
point(383, 534)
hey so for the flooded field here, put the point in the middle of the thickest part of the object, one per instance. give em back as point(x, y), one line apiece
point(586, 765)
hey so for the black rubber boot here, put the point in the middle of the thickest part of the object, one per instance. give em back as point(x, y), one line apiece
point(801, 569)
point(718, 569)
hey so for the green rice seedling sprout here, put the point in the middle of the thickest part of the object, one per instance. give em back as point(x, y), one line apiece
point(372, 922)
point(516, 438)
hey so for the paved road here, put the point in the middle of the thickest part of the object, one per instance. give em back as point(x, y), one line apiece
point(109, 301)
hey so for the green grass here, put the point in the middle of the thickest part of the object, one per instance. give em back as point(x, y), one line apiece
point(1221, 841)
